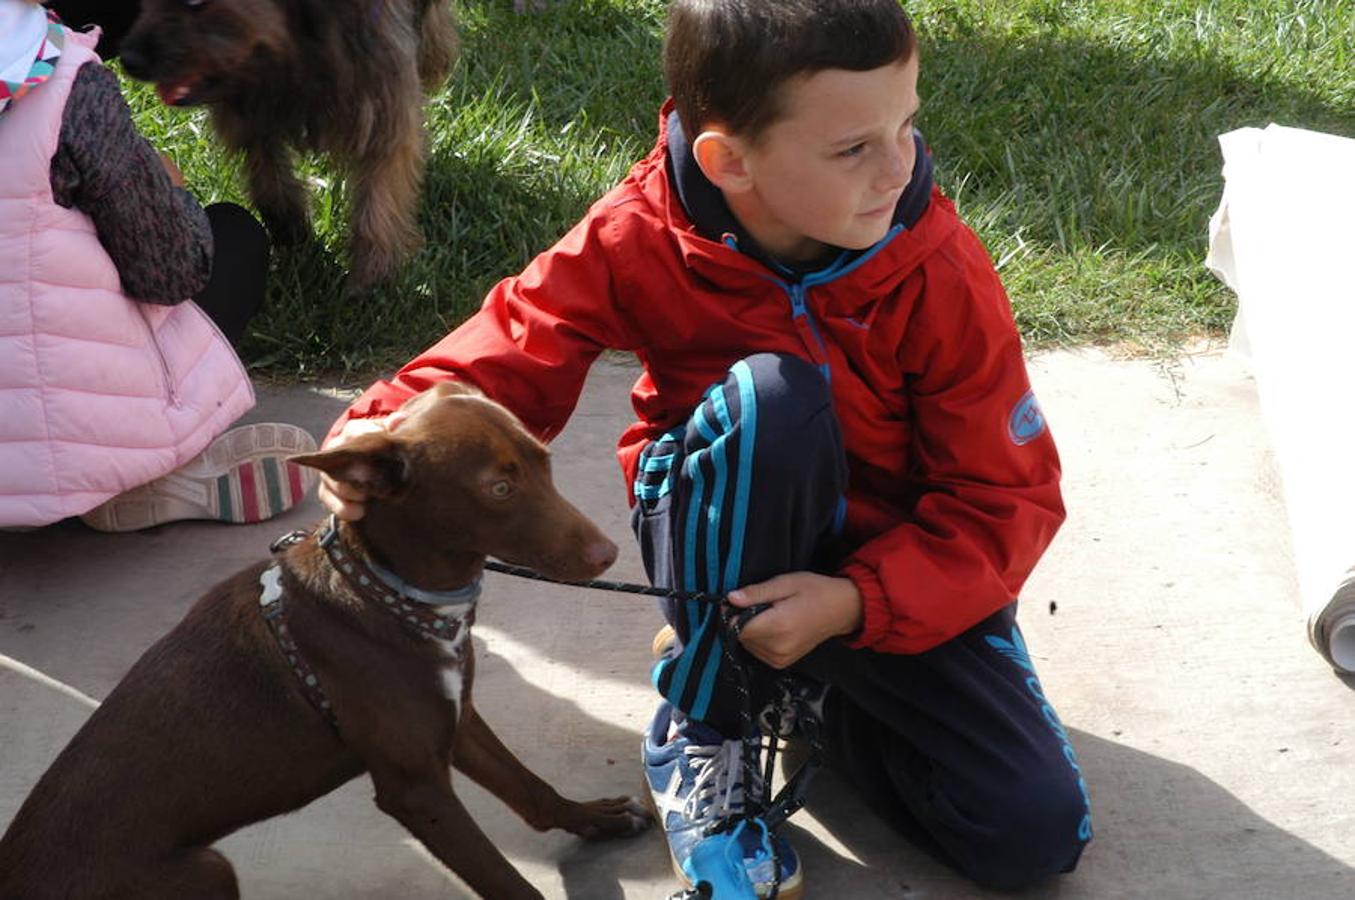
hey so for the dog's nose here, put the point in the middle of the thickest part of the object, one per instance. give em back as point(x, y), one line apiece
point(601, 554)
point(135, 61)
point(138, 54)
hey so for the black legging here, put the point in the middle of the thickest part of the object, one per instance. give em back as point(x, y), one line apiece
point(239, 269)
point(115, 17)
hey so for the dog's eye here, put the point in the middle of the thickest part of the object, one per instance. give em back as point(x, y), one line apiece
point(500, 489)
point(193, 4)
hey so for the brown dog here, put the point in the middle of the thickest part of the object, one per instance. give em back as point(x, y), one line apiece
point(294, 676)
point(345, 78)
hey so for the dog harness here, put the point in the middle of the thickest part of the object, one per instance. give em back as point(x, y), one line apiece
point(439, 615)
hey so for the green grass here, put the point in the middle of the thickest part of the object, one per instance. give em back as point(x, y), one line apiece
point(1078, 138)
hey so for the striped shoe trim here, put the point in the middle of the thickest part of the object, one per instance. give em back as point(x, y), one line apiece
point(225, 502)
point(243, 476)
point(272, 482)
point(296, 480)
point(249, 492)
point(259, 489)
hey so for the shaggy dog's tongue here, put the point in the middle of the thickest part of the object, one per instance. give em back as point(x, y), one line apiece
point(173, 93)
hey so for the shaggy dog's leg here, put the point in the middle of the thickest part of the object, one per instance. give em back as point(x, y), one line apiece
point(438, 45)
point(385, 184)
point(276, 192)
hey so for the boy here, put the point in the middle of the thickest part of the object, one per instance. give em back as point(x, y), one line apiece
point(834, 418)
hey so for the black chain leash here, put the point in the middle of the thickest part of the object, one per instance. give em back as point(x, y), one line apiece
point(600, 585)
point(735, 627)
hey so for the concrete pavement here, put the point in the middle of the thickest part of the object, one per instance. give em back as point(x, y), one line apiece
point(1164, 622)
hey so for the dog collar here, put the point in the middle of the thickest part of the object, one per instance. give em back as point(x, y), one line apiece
point(443, 621)
point(459, 597)
point(370, 578)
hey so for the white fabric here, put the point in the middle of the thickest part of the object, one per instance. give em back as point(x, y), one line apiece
point(22, 28)
point(1284, 239)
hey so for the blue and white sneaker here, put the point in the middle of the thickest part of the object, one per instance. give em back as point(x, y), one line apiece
point(692, 786)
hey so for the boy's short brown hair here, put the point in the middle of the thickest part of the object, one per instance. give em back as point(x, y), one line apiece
point(726, 60)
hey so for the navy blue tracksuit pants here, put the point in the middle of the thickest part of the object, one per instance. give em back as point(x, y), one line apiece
point(957, 746)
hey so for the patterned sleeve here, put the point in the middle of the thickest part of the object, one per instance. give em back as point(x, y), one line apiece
point(156, 234)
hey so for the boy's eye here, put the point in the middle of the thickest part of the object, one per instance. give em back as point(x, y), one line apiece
point(853, 150)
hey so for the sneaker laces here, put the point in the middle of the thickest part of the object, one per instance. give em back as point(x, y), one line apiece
point(717, 791)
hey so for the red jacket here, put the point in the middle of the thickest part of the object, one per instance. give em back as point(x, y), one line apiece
point(954, 480)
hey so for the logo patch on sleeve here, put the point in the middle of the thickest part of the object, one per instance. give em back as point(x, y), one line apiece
point(1026, 422)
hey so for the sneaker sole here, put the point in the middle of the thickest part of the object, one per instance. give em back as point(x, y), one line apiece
point(788, 891)
point(242, 477)
point(665, 636)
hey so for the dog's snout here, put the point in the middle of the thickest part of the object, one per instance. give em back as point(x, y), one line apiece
point(601, 553)
point(136, 59)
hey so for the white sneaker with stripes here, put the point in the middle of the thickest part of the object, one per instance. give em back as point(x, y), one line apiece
point(243, 476)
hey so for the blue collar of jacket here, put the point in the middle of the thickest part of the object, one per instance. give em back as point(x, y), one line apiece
point(706, 207)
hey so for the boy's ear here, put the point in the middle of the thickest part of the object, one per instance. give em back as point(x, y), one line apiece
point(722, 159)
point(374, 463)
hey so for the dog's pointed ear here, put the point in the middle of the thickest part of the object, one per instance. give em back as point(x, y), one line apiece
point(374, 463)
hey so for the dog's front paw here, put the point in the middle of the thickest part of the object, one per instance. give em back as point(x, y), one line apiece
point(613, 817)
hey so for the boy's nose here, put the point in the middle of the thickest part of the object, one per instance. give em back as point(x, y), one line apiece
point(898, 167)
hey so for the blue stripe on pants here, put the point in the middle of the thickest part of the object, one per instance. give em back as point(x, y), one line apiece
point(958, 746)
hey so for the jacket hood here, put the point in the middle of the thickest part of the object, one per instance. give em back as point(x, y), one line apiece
point(713, 239)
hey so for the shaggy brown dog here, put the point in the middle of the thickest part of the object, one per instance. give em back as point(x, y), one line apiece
point(345, 78)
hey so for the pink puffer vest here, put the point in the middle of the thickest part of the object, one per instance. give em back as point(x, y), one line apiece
point(98, 393)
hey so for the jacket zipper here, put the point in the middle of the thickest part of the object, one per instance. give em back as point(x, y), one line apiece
point(170, 391)
point(799, 310)
point(798, 292)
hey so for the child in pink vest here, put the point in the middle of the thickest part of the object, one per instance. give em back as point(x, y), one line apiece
point(116, 390)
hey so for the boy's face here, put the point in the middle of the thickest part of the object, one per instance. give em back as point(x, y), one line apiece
point(830, 171)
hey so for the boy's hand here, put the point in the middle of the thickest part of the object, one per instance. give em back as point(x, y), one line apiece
point(345, 500)
point(807, 609)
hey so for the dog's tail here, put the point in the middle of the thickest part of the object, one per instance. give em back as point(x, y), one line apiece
point(438, 42)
